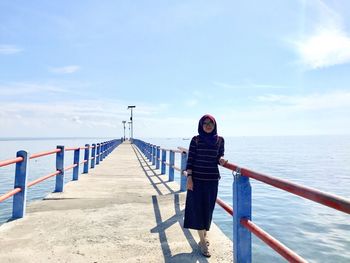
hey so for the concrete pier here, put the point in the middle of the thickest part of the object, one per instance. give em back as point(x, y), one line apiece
point(122, 211)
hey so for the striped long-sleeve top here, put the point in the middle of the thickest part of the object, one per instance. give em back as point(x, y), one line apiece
point(203, 159)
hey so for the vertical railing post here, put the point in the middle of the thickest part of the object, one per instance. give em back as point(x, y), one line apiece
point(242, 201)
point(20, 199)
point(86, 158)
point(171, 165)
point(157, 156)
point(104, 150)
point(98, 154)
point(93, 156)
point(154, 149)
point(76, 161)
point(183, 168)
point(60, 167)
point(101, 151)
point(163, 161)
point(150, 152)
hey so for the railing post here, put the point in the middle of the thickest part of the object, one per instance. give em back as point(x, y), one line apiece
point(60, 167)
point(101, 151)
point(76, 161)
point(242, 201)
point(163, 161)
point(154, 154)
point(157, 156)
point(20, 199)
point(98, 154)
point(149, 152)
point(86, 158)
point(93, 156)
point(171, 165)
point(183, 168)
point(104, 150)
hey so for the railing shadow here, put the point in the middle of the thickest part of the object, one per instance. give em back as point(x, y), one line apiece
point(147, 168)
point(162, 226)
point(177, 218)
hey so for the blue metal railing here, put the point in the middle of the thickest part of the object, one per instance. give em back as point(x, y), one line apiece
point(98, 152)
point(242, 201)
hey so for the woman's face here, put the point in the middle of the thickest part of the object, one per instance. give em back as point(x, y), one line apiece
point(208, 125)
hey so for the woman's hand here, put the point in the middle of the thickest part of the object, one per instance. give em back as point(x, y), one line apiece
point(222, 161)
point(189, 183)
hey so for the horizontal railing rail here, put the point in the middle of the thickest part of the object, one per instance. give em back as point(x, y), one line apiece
point(98, 152)
point(41, 154)
point(241, 211)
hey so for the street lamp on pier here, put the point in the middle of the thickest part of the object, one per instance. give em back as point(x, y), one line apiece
point(124, 128)
point(129, 122)
point(132, 123)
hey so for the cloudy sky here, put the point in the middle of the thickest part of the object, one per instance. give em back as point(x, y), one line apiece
point(71, 68)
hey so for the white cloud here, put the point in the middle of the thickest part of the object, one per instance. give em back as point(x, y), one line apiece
point(78, 117)
point(325, 42)
point(326, 47)
point(331, 100)
point(271, 98)
point(9, 50)
point(65, 70)
point(22, 88)
point(246, 85)
point(227, 86)
point(327, 113)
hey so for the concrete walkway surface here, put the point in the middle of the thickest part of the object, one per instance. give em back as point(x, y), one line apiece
point(122, 211)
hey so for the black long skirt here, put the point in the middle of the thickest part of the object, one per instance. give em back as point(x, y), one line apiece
point(200, 204)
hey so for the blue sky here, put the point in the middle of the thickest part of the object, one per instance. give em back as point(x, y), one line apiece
point(71, 68)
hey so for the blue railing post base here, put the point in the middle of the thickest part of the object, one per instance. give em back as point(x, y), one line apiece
point(242, 208)
point(20, 199)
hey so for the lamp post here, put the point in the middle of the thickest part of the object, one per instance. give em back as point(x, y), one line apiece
point(124, 128)
point(129, 122)
point(132, 121)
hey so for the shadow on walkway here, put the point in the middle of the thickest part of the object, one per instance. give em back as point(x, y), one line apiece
point(177, 218)
point(147, 168)
point(162, 226)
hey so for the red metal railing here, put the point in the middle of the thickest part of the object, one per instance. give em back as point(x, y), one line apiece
point(71, 148)
point(37, 155)
point(43, 178)
point(20, 159)
point(326, 199)
point(315, 195)
point(11, 161)
point(10, 194)
point(108, 147)
point(225, 206)
point(284, 251)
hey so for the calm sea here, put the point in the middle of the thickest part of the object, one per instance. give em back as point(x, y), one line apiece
point(315, 232)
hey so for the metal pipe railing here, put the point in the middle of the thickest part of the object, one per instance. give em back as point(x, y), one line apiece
point(312, 194)
point(37, 155)
point(243, 226)
point(11, 161)
point(22, 161)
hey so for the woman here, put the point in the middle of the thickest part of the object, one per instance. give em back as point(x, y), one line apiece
point(205, 153)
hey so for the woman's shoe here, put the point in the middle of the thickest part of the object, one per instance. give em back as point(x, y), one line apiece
point(204, 249)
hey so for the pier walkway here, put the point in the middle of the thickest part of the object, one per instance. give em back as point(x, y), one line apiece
point(122, 211)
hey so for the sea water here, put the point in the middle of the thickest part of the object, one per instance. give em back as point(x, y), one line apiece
point(315, 232)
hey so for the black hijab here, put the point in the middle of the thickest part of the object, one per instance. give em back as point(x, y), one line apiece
point(208, 138)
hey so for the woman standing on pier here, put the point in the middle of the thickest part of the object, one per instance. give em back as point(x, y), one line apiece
point(205, 153)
